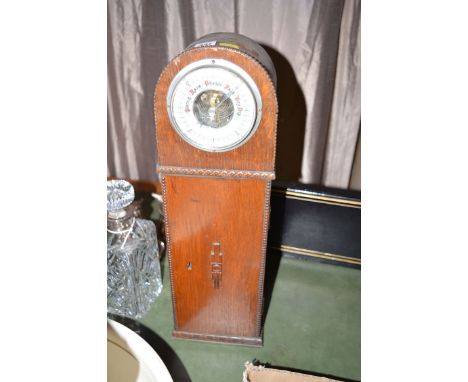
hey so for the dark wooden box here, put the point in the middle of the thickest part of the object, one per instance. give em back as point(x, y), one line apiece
point(316, 223)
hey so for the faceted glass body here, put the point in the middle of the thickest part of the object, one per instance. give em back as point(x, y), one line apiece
point(133, 267)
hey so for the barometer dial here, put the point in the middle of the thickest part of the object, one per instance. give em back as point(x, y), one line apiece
point(214, 105)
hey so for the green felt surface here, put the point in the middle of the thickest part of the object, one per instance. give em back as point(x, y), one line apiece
point(312, 324)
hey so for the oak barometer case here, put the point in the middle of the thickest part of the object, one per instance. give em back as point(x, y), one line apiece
point(216, 112)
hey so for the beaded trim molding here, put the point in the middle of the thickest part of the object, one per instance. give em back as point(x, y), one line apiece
point(172, 170)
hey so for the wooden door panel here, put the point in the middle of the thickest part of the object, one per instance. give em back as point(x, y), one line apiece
point(216, 249)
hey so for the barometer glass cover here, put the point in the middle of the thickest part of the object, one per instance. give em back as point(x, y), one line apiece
point(214, 105)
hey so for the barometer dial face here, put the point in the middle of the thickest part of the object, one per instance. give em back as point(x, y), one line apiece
point(214, 105)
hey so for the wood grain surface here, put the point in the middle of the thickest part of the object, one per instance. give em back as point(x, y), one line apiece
point(217, 210)
point(257, 154)
point(229, 215)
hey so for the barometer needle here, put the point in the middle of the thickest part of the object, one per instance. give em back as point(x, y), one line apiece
point(226, 96)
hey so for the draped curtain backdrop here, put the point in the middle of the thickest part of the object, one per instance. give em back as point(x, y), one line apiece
point(315, 46)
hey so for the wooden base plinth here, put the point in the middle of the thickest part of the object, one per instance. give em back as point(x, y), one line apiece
point(245, 341)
